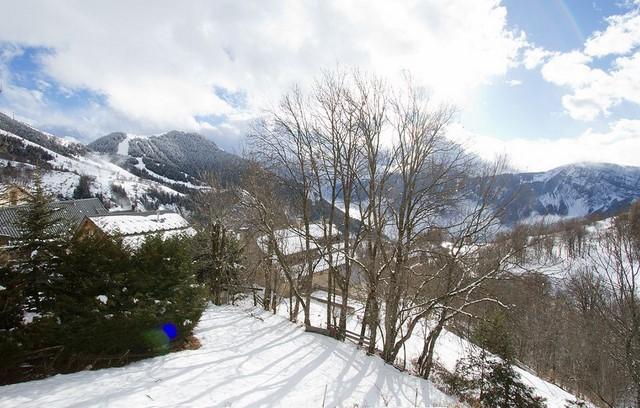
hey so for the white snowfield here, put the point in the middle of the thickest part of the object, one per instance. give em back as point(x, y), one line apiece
point(248, 358)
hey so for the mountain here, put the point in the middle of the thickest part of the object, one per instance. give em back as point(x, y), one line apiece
point(178, 157)
point(130, 170)
point(575, 190)
point(64, 164)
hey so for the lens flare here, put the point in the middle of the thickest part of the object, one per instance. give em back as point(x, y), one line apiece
point(171, 330)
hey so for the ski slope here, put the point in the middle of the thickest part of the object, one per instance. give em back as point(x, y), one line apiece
point(248, 358)
point(68, 169)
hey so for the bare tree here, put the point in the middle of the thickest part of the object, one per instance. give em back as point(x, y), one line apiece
point(266, 212)
point(617, 260)
point(424, 164)
point(284, 145)
point(375, 163)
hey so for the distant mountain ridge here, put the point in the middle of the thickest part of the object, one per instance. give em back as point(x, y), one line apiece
point(174, 163)
point(574, 190)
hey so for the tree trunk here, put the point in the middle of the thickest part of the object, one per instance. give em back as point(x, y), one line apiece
point(266, 301)
point(296, 310)
point(329, 304)
point(425, 362)
point(365, 319)
point(373, 325)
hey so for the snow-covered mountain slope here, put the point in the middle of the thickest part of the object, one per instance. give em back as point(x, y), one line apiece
point(248, 358)
point(449, 349)
point(63, 163)
point(171, 157)
point(575, 190)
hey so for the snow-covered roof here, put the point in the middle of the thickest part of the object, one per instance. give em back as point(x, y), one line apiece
point(292, 241)
point(135, 226)
point(135, 223)
point(135, 241)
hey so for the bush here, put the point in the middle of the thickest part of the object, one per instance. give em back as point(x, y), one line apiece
point(489, 382)
point(112, 304)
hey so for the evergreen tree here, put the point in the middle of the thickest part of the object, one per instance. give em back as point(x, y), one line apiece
point(11, 299)
point(218, 259)
point(491, 382)
point(504, 389)
point(39, 247)
point(494, 335)
point(92, 279)
point(163, 284)
point(83, 189)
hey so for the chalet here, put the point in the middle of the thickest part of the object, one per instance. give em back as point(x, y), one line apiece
point(133, 227)
point(292, 245)
point(69, 214)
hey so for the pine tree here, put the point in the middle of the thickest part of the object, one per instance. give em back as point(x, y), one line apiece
point(38, 248)
point(218, 259)
point(503, 388)
point(163, 283)
point(11, 299)
point(491, 382)
point(494, 335)
point(83, 189)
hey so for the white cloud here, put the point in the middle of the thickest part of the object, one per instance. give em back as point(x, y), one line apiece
point(620, 37)
point(619, 144)
point(570, 69)
point(595, 91)
point(533, 57)
point(157, 64)
point(514, 82)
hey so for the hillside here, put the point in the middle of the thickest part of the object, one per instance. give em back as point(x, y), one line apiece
point(173, 156)
point(23, 149)
point(247, 358)
point(449, 349)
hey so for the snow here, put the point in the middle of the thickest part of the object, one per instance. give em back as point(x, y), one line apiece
point(102, 299)
point(123, 147)
point(95, 165)
point(28, 317)
point(248, 358)
point(291, 240)
point(449, 348)
point(140, 165)
point(129, 224)
point(135, 241)
point(136, 226)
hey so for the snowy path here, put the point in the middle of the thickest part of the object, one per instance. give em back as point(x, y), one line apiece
point(243, 362)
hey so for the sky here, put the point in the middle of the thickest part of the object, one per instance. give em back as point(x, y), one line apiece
point(546, 82)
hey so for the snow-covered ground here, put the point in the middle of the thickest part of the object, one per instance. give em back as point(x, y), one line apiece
point(449, 349)
point(248, 358)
